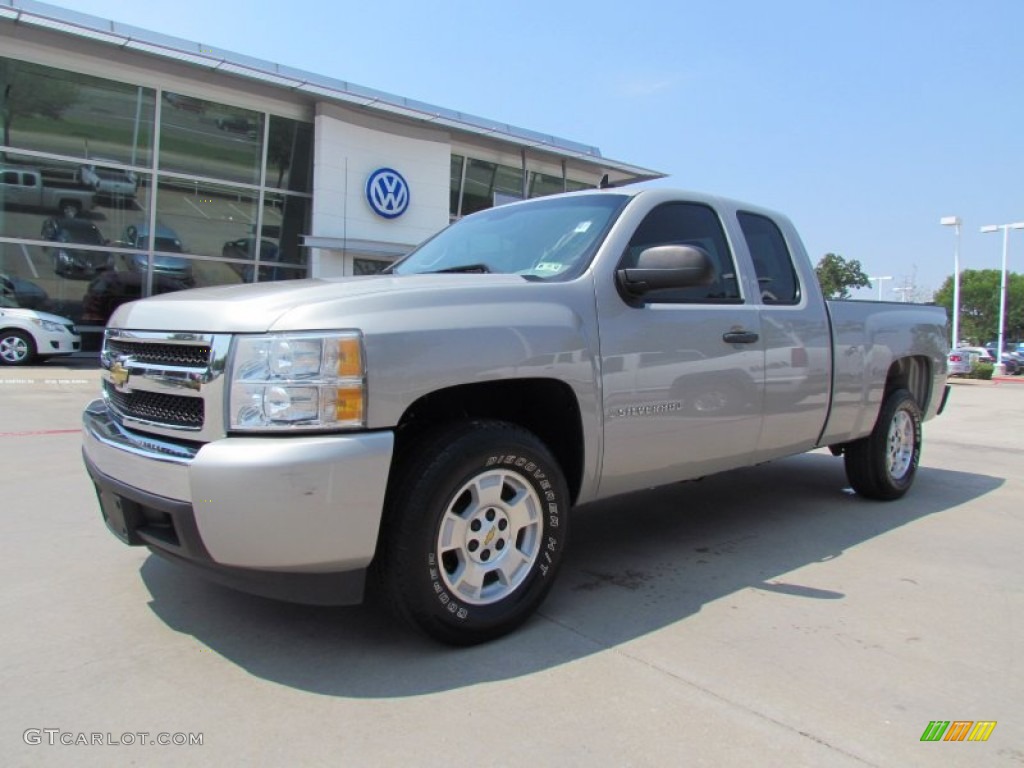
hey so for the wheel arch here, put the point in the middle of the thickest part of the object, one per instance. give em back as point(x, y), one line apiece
point(546, 407)
point(914, 374)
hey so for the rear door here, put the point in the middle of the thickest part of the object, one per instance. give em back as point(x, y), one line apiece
point(796, 337)
point(682, 370)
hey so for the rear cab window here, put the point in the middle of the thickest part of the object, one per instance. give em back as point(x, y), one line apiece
point(776, 277)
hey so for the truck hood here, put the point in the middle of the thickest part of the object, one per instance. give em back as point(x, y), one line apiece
point(295, 304)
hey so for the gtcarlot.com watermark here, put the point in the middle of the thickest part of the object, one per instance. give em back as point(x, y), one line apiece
point(56, 737)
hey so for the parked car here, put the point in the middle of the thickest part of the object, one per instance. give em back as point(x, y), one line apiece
point(27, 334)
point(986, 355)
point(245, 248)
point(241, 125)
point(70, 262)
point(112, 289)
point(166, 240)
point(109, 182)
point(959, 362)
point(1018, 360)
point(1012, 358)
point(438, 422)
point(27, 294)
point(24, 187)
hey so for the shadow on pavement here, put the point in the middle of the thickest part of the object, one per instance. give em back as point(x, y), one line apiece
point(635, 564)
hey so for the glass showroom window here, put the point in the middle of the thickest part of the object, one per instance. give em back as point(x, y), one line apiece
point(204, 138)
point(489, 184)
point(290, 155)
point(455, 187)
point(67, 234)
point(67, 113)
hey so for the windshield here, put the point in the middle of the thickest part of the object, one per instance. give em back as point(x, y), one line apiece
point(545, 239)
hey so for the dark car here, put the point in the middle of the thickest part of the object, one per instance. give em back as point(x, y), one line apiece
point(112, 289)
point(1011, 359)
point(245, 248)
point(24, 293)
point(70, 262)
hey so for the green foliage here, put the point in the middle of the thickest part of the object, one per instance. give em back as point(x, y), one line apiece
point(982, 371)
point(28, 89)
point(979, 304)
point(837, 276)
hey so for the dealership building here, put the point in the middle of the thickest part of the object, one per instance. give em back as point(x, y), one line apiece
point(134, 163)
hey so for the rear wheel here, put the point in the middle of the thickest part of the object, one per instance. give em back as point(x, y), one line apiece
point(475, 531)
point(883, 464)
point(16, 348)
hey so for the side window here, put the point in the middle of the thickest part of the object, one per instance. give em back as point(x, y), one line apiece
point(773, 264)
point(688, 224)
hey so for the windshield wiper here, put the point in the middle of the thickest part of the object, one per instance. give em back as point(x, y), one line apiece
point(468, 268)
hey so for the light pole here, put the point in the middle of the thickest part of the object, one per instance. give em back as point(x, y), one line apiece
point(954, 221)
point(879, 281)
point(1000, 368)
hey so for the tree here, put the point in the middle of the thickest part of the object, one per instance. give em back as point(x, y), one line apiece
point(28, 89)
point(979, 305)
point(837, 276)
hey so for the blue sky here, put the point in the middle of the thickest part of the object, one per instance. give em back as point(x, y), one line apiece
point(865, 121)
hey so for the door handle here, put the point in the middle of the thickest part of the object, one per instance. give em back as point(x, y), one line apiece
point(740, 337)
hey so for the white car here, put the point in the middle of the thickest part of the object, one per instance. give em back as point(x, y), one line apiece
point(26, 334)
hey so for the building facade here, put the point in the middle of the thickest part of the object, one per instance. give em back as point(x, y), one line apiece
point(133, 164)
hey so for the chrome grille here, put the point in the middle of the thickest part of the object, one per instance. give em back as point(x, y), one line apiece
point(166, 383)
point(168, 354)
point(172, 410)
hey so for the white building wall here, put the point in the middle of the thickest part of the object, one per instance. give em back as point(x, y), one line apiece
point(349, 146)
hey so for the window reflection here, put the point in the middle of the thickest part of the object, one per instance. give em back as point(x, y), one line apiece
point(455, 185)
point(204, 138)
point(290, 155)
point(490, 184)
point(199, 218)
point(71, 114)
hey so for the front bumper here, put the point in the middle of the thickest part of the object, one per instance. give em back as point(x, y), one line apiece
point(289, 517)
point(53, 343)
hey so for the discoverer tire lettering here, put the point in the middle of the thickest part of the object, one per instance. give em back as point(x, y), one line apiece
point(475, 528)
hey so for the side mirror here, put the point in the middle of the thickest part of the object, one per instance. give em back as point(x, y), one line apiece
point(667, 266)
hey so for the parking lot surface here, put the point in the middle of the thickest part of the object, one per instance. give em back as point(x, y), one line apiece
point(762, 617)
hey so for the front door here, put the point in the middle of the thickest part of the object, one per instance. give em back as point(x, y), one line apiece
point(683, 370)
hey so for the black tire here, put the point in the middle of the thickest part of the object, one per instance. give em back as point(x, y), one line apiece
point(883, 465)
point(475, 528)
point(16, 348)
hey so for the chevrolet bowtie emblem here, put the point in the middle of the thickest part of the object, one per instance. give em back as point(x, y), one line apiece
point(119, 375)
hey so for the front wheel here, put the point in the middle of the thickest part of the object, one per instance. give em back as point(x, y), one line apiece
point(475, 531)
point(16, 348)
point(883, 464)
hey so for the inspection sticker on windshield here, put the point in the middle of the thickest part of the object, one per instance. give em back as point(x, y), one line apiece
point(549, 266)
point(582, 227)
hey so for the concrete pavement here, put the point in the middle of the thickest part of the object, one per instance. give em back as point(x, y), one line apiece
point(765, 617)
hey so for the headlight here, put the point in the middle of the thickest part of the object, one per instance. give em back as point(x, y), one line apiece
point(298, 381)
point(48, 325)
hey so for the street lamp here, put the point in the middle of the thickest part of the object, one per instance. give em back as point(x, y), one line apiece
point(1000, 368)
point(954, 221)
point(879, 281)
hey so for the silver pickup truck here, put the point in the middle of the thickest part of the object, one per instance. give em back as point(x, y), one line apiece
point(435, 426)
point(25, 187)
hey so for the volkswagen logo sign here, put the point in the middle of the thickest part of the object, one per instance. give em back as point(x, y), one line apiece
point(387, 193)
